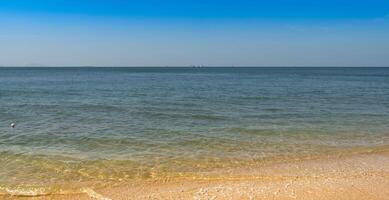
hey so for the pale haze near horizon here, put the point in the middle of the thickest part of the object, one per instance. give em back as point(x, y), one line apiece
point(79, 40)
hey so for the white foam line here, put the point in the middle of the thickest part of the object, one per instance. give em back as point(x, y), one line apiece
point(92, 194)
point(24, 192)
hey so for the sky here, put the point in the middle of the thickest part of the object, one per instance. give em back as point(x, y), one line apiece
point(198, 32)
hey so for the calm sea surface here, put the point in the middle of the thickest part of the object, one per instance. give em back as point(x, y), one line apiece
point(115, 124)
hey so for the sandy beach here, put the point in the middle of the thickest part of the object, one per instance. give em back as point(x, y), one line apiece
point(361, 176)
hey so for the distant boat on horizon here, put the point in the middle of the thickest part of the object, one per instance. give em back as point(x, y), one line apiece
point(197, 66)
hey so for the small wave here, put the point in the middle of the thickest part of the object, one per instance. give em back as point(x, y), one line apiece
point(97, 108)
point(252, 131)
point(92, 194)
point(37, 192)
point(272, 109)
point(256, 98)
point(25, 192)
point(208, 117)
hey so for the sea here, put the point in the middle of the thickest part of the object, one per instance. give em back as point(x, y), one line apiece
point(96, 125)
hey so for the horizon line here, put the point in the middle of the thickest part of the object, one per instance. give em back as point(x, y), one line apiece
point(186, 66)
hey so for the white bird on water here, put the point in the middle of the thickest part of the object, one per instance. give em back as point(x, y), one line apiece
point(13, 124)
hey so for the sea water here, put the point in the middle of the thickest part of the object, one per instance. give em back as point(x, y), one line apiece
point(80, 125)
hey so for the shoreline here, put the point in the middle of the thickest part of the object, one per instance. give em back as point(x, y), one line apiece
point(358, 176)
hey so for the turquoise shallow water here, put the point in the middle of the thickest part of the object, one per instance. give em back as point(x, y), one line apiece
point(98, 124)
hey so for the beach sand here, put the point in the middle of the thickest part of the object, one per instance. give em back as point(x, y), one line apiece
point(359, 176)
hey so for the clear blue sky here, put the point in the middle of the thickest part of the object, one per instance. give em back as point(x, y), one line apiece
point(199, 32)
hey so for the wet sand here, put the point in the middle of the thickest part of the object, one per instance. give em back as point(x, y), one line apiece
point(362, 176)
